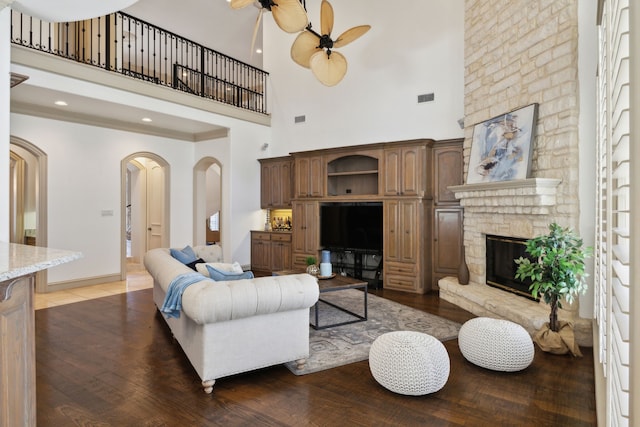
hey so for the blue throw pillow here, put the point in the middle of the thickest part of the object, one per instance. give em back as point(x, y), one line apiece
point(185, 255)
point(219, 275)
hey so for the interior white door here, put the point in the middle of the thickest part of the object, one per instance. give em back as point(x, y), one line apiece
point(155, 205)
point(16, 198)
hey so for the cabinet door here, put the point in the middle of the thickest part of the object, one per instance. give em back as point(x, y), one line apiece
point(409, 231)
point(401, 231)
point(265, 186)
point(309, 177)
point(298, 232)
point(316, 178)
point(260, 254)
point(447, 239)
point(411, 171)
point(392, 231)
point(306, 224)
point(447, 170)
point(312, 228)
point(403, 171)
point(286, 180)
point(276, 185)
point(280, 256)
point(392, 172)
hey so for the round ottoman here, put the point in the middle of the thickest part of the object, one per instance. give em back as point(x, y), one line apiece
point(496, 344)
point(409, 362)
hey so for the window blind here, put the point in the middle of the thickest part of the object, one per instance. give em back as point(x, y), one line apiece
point(612, 255)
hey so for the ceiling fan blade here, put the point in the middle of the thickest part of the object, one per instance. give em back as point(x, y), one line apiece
point(239, 4)
point(328, 69)
point(326, 18)
point(290, 15)
point(304, 46)
point(255, 32)
point(350, 35)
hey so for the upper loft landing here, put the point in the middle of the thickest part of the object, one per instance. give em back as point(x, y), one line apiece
point(134, 51)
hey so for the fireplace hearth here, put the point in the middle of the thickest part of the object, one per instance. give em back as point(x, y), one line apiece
point(501, 268)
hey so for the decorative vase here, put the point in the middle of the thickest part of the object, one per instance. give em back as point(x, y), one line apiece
point(312, 269)
point(463, 269)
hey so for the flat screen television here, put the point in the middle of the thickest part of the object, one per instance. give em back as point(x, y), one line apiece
point(351, 226)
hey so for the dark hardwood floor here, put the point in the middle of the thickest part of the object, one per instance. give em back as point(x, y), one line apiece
point(112, 362)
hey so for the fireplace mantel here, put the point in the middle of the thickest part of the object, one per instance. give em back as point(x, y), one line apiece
point(532, 196)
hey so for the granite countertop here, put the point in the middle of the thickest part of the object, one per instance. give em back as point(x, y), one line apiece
point(19, 260)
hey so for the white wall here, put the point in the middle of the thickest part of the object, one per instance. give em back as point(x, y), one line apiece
point(84, 180)
point(414, 47)
point(5, 25)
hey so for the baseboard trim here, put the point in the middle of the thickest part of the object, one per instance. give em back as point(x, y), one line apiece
point(79, 283)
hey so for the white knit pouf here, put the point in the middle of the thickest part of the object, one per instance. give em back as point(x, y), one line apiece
point(496, 344)
point(408, 362)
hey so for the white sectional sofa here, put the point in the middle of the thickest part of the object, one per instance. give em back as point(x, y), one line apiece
point(229, 327)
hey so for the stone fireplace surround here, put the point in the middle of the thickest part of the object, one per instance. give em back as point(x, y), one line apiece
point(518, 208)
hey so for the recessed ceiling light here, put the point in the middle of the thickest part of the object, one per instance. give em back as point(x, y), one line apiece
point(146, 119)
point(61, 103)
point(258, 50)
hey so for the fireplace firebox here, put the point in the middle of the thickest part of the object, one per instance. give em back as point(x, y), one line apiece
point(501, 267)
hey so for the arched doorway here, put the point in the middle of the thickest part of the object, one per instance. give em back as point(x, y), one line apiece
point(145, 206)
point(207, 201)
point(28, 198)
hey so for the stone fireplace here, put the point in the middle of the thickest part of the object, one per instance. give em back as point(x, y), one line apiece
point(518, 209)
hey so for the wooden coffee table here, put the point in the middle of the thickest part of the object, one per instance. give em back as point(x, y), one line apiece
point(335, 284)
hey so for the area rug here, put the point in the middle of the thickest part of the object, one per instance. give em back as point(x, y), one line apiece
point(341, 345)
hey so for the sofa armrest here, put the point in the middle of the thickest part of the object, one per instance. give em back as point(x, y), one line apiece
point(210, 302)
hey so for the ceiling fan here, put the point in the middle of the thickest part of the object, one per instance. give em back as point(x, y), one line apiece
point(289, 15)
point(313, 50)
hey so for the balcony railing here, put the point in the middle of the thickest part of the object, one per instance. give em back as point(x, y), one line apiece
point(130, 46)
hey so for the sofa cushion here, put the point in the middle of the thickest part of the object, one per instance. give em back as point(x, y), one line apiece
point(221, 275)
point(184, 255)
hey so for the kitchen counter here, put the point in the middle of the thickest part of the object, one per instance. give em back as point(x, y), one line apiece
point(20, 260)
point(18, 265)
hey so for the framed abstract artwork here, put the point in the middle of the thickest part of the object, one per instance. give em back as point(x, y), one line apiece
point(501, 147)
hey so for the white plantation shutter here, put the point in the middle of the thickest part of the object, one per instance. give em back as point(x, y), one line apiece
point(613, 226)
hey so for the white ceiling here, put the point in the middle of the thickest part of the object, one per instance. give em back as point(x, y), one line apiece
point(209, 22)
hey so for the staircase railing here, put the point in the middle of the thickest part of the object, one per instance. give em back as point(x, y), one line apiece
point(127, 45)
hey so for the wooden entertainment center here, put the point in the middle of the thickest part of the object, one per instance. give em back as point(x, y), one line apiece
point(422, 220)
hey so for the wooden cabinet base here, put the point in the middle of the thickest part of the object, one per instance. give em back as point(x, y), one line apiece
point(17, 353)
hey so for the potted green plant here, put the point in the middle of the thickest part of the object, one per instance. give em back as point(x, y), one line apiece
point(556, 268)
point(312, 265)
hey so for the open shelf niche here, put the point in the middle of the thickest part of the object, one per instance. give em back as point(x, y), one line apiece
point(354, 175)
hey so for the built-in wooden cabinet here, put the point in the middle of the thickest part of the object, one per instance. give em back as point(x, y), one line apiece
point(276, 183)
point(270, 251)
point(309, 176)
point(305, 233)
point(17, 354)
point(422, 220)
point(404, 169)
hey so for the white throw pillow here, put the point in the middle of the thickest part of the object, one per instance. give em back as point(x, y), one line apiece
point(222, 266)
